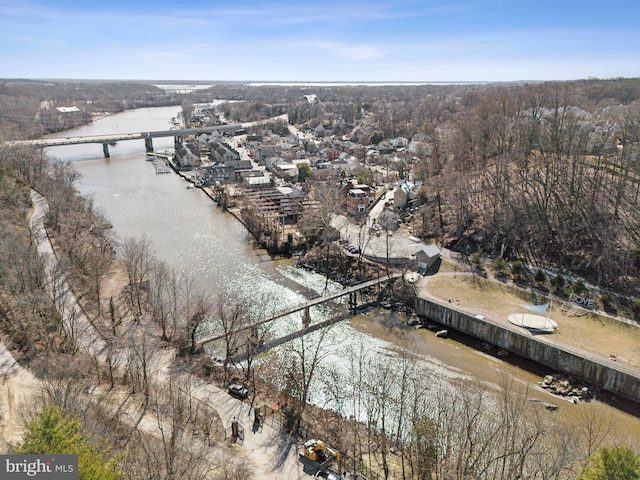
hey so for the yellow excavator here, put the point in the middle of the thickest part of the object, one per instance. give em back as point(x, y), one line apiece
point(321, 455)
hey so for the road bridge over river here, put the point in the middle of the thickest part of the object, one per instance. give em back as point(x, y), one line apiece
point(351, 291)
point(148, 137)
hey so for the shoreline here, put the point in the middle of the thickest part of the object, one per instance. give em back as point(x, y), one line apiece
point(539, 367)
point(208, 193)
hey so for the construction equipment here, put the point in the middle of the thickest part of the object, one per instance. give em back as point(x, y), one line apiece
point(320, 455)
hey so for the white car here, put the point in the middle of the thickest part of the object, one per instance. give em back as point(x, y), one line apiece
point(329, 475)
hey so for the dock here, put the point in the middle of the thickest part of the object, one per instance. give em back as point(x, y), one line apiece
point(166, 156)
point(161, 167)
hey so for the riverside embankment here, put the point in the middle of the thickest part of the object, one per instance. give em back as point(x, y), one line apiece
point(546, 350)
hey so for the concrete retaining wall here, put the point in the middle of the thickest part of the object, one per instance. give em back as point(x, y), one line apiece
point(595, 370)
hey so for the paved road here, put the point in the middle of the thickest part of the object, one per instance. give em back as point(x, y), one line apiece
point(274, 455)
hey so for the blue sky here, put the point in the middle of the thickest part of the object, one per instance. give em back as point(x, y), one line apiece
point(326, 40)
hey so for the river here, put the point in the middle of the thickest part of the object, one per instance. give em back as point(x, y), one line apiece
point(189, 232)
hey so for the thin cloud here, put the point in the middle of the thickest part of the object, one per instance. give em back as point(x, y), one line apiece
point(348, 51)
point(263, 14)
point(381, 40)
point(297, 14)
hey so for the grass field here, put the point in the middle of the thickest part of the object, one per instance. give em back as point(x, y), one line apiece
point(497, 300)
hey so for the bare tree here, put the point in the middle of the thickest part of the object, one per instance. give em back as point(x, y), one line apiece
point(594, 424)
point(254, 337)
point(161, 281)
point(114, 356)
point(315, 225)
point(98, 263)
point(302, 359)
point(63, 380)
point(230, 321)
point(137, 256)
point(183, 455)
point(143, 348)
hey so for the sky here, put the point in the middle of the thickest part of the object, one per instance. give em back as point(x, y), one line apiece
point(320, 41)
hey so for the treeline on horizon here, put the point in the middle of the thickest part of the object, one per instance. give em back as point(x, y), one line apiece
point(28, 108)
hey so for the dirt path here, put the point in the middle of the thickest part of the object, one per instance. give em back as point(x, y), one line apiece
point(272, 454)
point(77, 325)
point(18, 388)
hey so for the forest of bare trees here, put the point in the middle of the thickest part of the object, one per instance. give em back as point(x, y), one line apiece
point(557, 185)
point(549, 171)
point(28, 109)
point(138, 417)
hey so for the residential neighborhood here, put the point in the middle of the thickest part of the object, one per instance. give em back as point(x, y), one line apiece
point(269, 176)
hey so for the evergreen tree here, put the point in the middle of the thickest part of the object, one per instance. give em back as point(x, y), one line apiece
point(52, 432)
point(518, 270)
point(499, 265)
point(616, 463)
point(304, 172)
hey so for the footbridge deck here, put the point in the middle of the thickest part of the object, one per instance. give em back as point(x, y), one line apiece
point(305, 306)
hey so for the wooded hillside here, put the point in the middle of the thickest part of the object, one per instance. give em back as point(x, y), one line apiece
point(547, 172)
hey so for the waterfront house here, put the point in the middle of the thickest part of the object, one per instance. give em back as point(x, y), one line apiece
point(185, 158)
point(228, 172)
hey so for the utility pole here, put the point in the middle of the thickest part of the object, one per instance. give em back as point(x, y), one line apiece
point(387, 264)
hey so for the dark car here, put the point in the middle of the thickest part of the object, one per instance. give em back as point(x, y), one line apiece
point(238, 391)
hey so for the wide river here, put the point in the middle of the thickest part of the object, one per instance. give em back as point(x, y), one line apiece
point(189, 232)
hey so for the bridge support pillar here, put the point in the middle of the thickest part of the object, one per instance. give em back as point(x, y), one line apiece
point(105, 150)
point(148, 144)
point(306, 318)
point(353, 302)
point(177, 140)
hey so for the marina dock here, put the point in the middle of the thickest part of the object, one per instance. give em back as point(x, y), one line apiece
point(161, 166)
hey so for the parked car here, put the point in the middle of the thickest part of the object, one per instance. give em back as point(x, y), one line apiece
point(238, 391)
point(329, 475)
point(353, 249)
